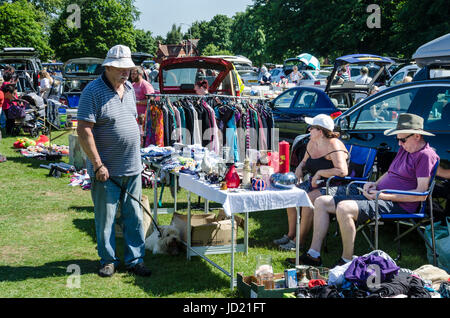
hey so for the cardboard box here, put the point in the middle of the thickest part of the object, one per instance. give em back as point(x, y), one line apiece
point(249, 288)
point(77, 156)
point(207, 229)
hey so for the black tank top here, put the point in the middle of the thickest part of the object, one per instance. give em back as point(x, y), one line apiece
point(314, 165)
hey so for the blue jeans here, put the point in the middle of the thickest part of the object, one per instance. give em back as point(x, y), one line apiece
point(107, 198)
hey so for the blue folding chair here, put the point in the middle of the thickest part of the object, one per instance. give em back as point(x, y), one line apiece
point(414, 220)
point(360, 165)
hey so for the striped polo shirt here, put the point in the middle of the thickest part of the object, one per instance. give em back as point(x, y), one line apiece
point(116, 132)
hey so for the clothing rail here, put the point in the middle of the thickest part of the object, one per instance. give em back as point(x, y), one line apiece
point(205, 96)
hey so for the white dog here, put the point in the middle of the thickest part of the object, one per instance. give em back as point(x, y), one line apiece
point(168, 243)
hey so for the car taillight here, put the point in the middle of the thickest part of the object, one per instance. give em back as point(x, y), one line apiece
point(336, 114)
point(317, 83)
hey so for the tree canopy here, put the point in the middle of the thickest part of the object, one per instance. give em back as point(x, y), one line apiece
point(22, 25)
point(267, 31)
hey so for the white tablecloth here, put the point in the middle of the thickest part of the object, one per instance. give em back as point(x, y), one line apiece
point(246, 200)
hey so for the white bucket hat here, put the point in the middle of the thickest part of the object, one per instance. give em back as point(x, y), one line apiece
point(119, 56)
point(321, 120)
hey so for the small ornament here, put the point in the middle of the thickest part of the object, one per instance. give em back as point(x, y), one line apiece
point(258, 184)
point(223, 185)
point(246, 179)
point(232, 178)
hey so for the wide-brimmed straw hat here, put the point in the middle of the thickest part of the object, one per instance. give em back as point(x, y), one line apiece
point(408, 124)
point(119, 56)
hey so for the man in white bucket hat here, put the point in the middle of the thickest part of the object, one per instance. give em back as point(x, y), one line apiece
point(109, 134)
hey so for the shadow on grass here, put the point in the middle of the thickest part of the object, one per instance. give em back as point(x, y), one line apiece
point(52, 269)
point(31, 162)
point(170, 274)
point(89, 208)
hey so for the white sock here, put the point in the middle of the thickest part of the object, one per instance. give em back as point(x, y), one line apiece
point(346, 260)
point(313, 253)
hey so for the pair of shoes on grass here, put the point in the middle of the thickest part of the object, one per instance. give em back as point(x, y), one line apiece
point(139, 269)
point(286, 243)
point(306, 259)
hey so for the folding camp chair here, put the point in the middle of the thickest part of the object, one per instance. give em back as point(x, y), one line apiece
point(414, 220)
point(360, 165)
point(360, 168)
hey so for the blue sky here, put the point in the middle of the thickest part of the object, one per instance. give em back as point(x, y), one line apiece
point(158, 16)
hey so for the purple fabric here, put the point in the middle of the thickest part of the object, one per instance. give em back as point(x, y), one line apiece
point(359, 271)
point(405, 169)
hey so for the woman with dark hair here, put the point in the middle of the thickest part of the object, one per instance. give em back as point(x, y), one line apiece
point(325, 156)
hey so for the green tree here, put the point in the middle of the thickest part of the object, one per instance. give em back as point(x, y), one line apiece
point(174, 36)
point(416, 23)
point(103, 24)
point(21, 25)
point(248, 37)
point(145, 42)
point(212, 49)
point(217, 32)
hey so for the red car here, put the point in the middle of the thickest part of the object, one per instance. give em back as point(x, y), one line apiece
point(179, 75)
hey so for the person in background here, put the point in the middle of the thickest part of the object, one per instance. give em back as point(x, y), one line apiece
point(410, 170)
point(266, 77)
point(141, 89)
point(109, 135)
point(325, 156)
point(153, 75)
point(407, 79)
point(201, 87)
point(45, 85)
point(9, 94)
point(364, 79)
point(295, 76)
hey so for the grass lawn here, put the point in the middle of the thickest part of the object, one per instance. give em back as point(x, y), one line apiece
point(46, 226)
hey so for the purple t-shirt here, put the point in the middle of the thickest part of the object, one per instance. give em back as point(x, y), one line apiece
point(405, 169)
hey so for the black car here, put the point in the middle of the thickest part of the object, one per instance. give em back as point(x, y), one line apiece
point(429, 99)
point(27, 64)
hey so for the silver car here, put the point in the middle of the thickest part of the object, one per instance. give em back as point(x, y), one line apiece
point(249, 77)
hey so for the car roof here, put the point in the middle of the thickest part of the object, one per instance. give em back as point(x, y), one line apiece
point(436, 51)
point(397, 87)
point(18, 51)
point(85, 60)
point(363, 59)
point(233, 58)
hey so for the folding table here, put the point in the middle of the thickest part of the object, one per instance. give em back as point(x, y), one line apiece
point(240, 201)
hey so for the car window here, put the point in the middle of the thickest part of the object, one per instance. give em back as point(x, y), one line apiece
point(341, 99)
point(411, 73)
point(439, 115)
point(275, 72)
point(306, 99)
point(382, 113)
point(180, 76)
point(397, 79)
point(306, 76)
point(285, 99)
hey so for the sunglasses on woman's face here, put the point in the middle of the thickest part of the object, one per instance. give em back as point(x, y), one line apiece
point(403, 140)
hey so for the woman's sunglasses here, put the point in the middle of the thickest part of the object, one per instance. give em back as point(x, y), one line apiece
point(403, 140)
